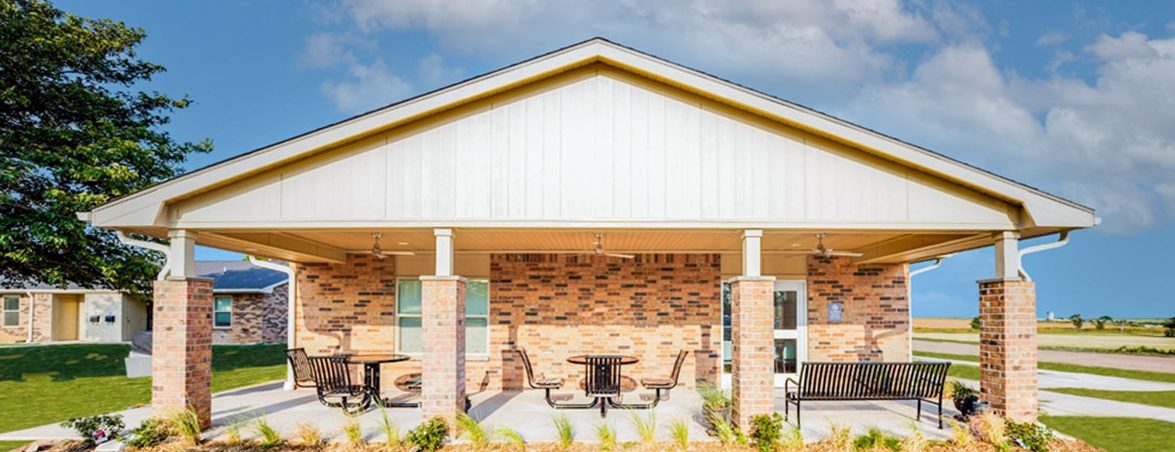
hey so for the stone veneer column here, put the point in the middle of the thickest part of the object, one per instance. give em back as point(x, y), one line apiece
point(181, 361)
point(752, 376)
point(443, 360)
point(1007, 347)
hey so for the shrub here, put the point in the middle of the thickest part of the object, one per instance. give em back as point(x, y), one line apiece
point(767, 431)
point(472, 431)
point(916, 442)
point(152, 432)
point(976, 323)
point(1077, 321)
point(875, 438)
point(606, 436)
point(679, 429)
point(512, 437)
point(565, 429)
point(391, 432)
point(960, 434)
point(236, 424)
point(269, 436)
point(990, 428)
point(839, 437)
point(308, 434)
point(1028, 435)
point(96, 429)
point(1100, 322)
point(353, 430)
point(725, 432)
point(646, 427)
point(186, 424)
point(960, 390)
point(430, 435)
point(1169, 326)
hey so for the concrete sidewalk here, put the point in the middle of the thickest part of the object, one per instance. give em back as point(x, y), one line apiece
point(1113, 360)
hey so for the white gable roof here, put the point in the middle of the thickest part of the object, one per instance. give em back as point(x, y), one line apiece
point(146, 208)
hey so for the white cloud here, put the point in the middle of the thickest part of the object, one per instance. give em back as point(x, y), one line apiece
point(1106, 140)
point(1107, 143)
point(436, 72)
point(367, 86)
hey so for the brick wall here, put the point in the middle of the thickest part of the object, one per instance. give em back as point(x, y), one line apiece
point(557, 306)
point(42, 319)
point(875, 323)
point(347, 307)
point(257, 317)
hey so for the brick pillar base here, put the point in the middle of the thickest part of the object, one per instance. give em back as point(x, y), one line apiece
point(181, 361)
point(752, 375)
point(443, 360)
point(1007, 347)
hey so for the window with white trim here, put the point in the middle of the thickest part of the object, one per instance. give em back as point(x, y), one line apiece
point(222, 312)
point(11, 311)
point(408, 317)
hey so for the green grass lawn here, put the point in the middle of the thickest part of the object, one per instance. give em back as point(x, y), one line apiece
point(6, 446)
point(46, 384)
point(1157, 398)
point(1064, 367)
point(1115, 434)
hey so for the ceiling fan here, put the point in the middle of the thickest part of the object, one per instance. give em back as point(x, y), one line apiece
point(823, 251)
point(599, 249)
point(379, 252)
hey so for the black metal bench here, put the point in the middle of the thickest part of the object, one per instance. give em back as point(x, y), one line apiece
point(867, 381)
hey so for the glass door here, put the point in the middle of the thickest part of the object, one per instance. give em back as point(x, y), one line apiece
point(790, 321)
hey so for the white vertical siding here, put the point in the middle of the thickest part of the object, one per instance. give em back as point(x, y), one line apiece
point(604, 148)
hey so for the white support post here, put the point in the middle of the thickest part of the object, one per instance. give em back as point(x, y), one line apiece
point(752, 252)
point(182, 257)
point(1007, 255)
point(444, 256)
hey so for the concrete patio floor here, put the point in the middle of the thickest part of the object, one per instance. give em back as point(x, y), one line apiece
point(525, 412)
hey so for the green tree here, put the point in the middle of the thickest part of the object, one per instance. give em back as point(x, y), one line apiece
point(1170, 327)
point(1077, 321)
point(976, 323)
point(1100, 322)
point(75, 133)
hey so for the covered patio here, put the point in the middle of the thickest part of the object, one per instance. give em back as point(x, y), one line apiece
point(596, 200)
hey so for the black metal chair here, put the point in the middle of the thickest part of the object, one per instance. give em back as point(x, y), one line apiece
point(334, 385)
point(300, 363)
point(665, 384)
point(546, 384)
point(603, 380)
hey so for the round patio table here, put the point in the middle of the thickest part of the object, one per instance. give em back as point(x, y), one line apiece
point(371, 363)
point(624, 359)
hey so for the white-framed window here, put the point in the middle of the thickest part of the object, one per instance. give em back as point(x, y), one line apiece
point(222, 311)
point(409, 339)
point(11, 310)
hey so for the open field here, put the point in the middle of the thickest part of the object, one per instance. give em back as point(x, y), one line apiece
point(1164, 377)
point(1078, 342)
point(65, 381)
point(1116, 434)
point(960, 325)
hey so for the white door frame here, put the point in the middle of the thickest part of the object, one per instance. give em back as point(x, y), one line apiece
point(800, 334)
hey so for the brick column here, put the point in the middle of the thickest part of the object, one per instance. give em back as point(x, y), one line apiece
point(752, 337)
point(443, 361)
point(181, 361)
point(1007, 347)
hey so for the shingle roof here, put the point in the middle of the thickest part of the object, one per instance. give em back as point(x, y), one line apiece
point(238, 275)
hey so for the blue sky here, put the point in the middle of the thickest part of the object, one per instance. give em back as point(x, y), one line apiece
point(1074, 98)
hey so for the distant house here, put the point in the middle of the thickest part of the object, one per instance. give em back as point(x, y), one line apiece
point(250, 307)
point(249, 302)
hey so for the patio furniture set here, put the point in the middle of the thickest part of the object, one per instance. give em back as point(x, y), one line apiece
point(603, 381)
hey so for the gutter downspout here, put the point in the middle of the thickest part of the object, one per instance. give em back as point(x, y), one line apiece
point(1062, 240)
point(166, 250)
point(291, 338)
point(32, 309)
point(910, 310)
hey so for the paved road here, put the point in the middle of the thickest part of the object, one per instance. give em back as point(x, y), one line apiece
point(1116, 360)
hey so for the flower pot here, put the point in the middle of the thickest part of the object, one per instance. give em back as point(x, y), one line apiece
point(967, 405)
